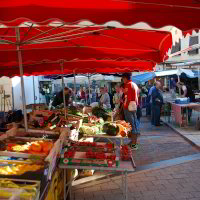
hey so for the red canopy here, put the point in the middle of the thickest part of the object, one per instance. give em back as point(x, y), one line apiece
point(183, 14)
point(77, 66)
point(70, 43)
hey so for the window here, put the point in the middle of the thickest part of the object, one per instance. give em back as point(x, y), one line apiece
point(193, 40)
point(176, 47)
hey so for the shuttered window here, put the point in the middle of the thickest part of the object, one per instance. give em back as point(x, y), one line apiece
point(176, 47)
point(193, 40)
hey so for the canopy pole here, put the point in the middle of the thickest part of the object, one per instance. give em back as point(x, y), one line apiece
point(63, 87)
point(198, 77)
point(19, 53)
point(34, 90)
point(179, 82)
point(89, 88)
point(74, 86)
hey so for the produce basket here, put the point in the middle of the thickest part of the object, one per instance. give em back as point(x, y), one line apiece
point(22, 171)
point(18, 189)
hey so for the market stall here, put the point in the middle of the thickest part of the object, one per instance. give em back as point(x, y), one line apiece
point(180, 112)
point(28, 162)
point(97, 156)
point(33, 44)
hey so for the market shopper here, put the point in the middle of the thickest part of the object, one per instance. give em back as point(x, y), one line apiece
point(117, 97)
point(119, 109)
point(130, 107)
point(172, 86)
point(105, 98)
point(58, 100)
point(186, 91)
point(157, 102)
point(149, 100)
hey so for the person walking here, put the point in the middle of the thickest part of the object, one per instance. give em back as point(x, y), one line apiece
point(130, 107)
point(157, 101)
point(105, 98)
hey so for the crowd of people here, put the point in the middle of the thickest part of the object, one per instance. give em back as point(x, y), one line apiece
point(125, 102)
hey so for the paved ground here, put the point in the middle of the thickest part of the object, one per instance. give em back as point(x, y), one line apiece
point(172, 183)
point(160, 143)
point(189, 132)
point(180, 182)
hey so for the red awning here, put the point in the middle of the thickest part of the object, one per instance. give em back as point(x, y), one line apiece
point(70, 43)
point(77, 66)
point(183, 14)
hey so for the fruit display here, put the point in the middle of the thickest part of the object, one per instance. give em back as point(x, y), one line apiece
point(100, 113)
point(93, 119)
point(92, 146)
point(101, 156)
point(87, 130)
point(18, 190)
point(18, 169)
point(52, 121)
point(125, 153)
point(74, 111)
point(124, 124)
point(110, 128)
point(36, 147)
point(89, 158)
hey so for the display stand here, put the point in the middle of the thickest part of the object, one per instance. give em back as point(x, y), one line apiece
point(124, 168)
point(177, 110)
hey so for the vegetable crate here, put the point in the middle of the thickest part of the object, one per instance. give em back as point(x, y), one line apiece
point(89, 159)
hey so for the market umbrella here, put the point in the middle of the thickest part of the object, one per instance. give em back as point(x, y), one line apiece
point(142, 78)
point(69, 43)
point(157, 13)
point(33, 43)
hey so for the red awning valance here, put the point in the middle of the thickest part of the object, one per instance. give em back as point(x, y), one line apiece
point(77, 66)
point(183, 14)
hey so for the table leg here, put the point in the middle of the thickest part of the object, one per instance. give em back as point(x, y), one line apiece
point(187, 115)
point(123, 184)
point(126, 186)
point(65, 179)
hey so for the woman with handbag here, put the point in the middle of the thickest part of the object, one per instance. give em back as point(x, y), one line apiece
point(130, 107)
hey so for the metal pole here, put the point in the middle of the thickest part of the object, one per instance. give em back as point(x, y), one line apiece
point(198, 78)
point(63, 86)
point(19, 53)
point(34, 89)
point(74, 86)
point(4, 105)
point(89, 88)
point(65, 177)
